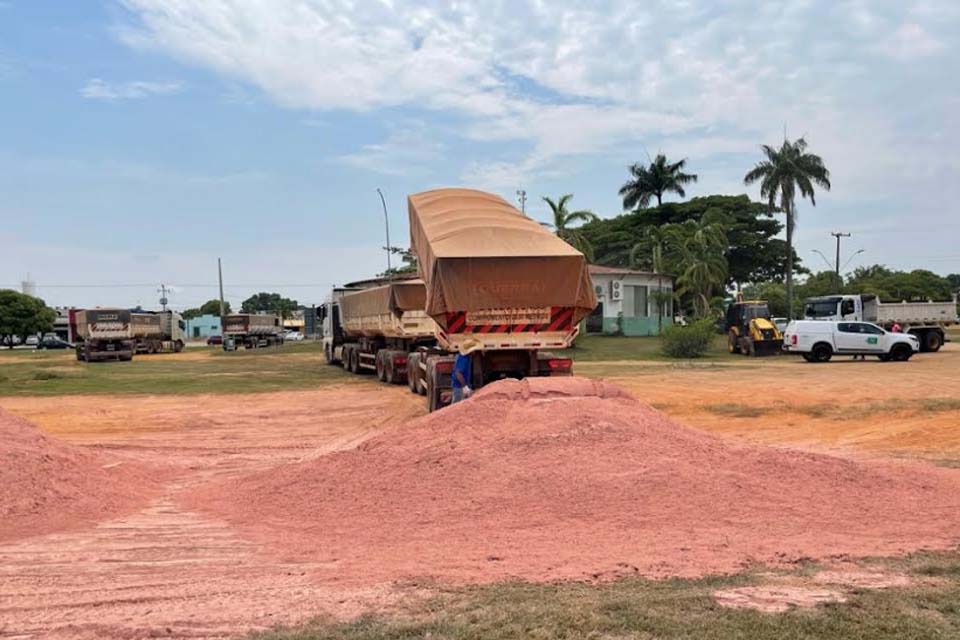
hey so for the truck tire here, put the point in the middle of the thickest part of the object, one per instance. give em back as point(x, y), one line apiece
point(381, 362)
point(345, 354)
point(901, 352)
point(389, 371)
point(931, 341)
point(413, 372)
point(328, 353)
point(178, 346)
point(355, 361)
point(751, 349)
point(433, 389)
point(821, 352)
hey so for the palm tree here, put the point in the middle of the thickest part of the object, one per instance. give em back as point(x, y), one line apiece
point(562, 219)
point(785, 171)
point(702, 266)
point(655, 240)
point(655, 180)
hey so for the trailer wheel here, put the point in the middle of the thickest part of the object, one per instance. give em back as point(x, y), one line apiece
point(381, 362)
point(355, 361)
point(433, 389)
point(389, 371)
point(413, 371)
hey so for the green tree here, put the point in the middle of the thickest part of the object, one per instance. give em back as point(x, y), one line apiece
point(408, 264)
point(210, 307)
point(754, 253)
point(654, 180)
point(22, 315)
point(269, 303)
point(894, 286)
point(701, 267)
point(954, 280)
point(562, 222)
point(785, 172)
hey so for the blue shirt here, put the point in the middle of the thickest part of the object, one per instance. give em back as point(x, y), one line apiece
point(461, 365)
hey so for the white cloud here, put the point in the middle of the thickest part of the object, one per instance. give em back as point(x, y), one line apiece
point(406, 151)
point(911, 41)
point(98, 89)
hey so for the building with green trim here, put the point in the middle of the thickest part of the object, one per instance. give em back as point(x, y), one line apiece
point(627, 302)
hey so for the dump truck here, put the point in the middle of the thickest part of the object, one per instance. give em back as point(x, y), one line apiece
point(751, 330)
point(926, 320)
point(158, 331)
point(374, 329)
point(251, 331)
point(104, 334)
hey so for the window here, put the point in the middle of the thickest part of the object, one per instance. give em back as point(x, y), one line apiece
point(848, 327)
point(846, 307)
point(822, 308)
point(639, 301)
point(872, 329)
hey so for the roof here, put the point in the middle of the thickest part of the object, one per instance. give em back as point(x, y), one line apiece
point(600, 270)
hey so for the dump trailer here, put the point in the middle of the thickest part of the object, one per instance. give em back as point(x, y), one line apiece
point(158, 331)
point(104, 334)
point(251, 331)
point(495, 276)
point(926, 320)
point(375, 329)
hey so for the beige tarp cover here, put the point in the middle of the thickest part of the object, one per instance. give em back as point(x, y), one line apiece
point(396, 297)
point(478, 252)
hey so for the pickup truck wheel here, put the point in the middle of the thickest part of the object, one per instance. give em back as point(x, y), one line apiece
point(808, 357)
point(884, 357)
point(821, 352)
point(901, 353)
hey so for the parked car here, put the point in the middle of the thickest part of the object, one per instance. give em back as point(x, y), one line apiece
point(780, 323)
point(214, 340)
point(293, 336)
point(820, 340)
point(53, 342)
point(32, 341)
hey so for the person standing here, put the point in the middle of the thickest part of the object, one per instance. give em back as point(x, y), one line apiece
point(463, 370)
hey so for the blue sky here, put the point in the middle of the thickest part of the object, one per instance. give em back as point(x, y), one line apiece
point(142, 139)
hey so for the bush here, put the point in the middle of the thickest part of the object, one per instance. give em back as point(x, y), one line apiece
point(691, 341)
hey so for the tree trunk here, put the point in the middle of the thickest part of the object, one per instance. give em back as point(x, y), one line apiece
point(790, 261)
point(659, 199)
point(659, 305)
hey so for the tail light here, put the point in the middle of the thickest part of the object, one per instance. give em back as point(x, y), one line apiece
point(444, 366)
point(560, 364)
point(793, 339)
point(400, 361)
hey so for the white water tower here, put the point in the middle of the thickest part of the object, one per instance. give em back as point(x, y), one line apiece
point(28, 286)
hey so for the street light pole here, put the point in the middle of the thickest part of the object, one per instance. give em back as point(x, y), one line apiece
point(522, 197)
point(838, 235)
point(386, 222)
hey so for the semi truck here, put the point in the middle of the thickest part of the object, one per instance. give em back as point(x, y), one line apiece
point(104, 334)
point(490, 275)
point(251, 330)
point(158, 331)
point(926, 320)
point(374, 329)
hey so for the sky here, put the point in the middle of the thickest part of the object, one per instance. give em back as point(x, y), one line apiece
point(140, 140)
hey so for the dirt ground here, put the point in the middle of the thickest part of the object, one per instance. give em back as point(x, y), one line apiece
point(176, 573)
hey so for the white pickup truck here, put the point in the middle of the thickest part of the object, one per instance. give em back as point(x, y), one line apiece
point(819, 340)
point(926, 320)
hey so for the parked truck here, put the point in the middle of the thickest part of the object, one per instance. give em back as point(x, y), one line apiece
point(251, 331)
point(104, 334)
point(926, 320)
point(158, 331)
point(490, 275)
point(374, 329)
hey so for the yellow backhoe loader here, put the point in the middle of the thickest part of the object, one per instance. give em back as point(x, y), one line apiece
point(750, 330)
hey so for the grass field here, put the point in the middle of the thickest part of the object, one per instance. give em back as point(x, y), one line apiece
point(670, 609)
point(196, 370)
point(616, 348)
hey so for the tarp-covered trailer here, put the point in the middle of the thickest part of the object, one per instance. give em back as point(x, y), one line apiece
point(252, 330)
point(494, 276)
point(378, 327)
point(104, 334)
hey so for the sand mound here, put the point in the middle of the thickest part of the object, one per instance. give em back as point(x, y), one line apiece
point(570, 478)
point(47, 485)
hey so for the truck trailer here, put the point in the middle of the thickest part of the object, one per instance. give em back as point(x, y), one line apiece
point(158, 331)
point(251, 331)
point(374, 329)
point(104, 334)
point(490, 275)
point(926, 320)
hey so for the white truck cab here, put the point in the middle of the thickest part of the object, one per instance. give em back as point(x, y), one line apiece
point(820, 340)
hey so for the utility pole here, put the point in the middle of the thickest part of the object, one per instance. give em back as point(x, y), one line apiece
point(522, 199)
point(163, 296)
point(386, 222)
point(838, 235)
point(220, 278)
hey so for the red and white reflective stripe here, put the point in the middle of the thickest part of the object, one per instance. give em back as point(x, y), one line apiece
point(561, 319)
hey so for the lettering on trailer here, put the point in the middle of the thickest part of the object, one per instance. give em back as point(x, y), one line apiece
point(524, 315)
point(235, 328)
point(107, 316)
point(558, 319)
point(96, 327)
